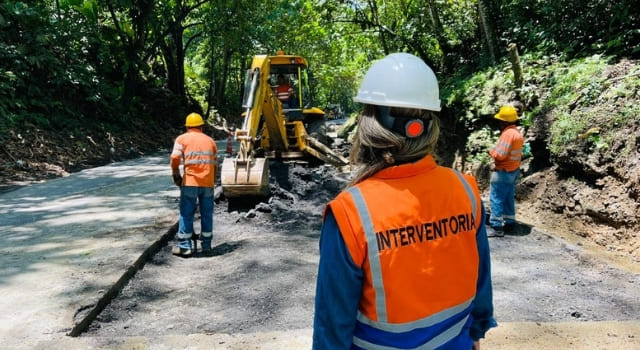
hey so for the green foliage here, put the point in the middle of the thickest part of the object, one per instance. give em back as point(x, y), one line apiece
point(573, 82)
point(478, 144)
point(572, 27)
point(480, 95)
point(628, 115)
point(565, 130)
point(572, 85)
point(70, 62)
point(45, 78)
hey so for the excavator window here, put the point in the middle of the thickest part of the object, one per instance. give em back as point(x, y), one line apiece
point(250, 84)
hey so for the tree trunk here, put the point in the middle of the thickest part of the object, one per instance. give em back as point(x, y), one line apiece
point(375, 20)
point(486, 23)
point(131, 80)
point(514, 58)
point(221, 84)
point(180, 88)
point(170, 62)
point(439, 32)
point(212, 82)
point(173, 53)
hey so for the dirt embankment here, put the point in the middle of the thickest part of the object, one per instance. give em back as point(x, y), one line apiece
point(591, 189)
point(33, 154)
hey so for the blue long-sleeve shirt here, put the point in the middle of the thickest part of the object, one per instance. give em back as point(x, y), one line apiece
point(339, 286)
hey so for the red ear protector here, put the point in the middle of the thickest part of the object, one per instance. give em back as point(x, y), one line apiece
point(410, 128)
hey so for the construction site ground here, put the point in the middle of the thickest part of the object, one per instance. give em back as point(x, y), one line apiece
point(87, 264)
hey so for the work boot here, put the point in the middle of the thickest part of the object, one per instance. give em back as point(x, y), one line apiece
point(205, 242)
point(206, 245)
point(510, 228)
point(496, 231)
point(183, 248)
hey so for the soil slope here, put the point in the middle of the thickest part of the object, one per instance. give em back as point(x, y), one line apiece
point(591, 189)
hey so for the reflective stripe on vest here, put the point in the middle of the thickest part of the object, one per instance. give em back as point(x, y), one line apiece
point(199, 157)
point(374, 259)
point(283, 95)
point(283, 92)
point(508, 151)
point(434, 343)
point(469, 191)
point(380, 296)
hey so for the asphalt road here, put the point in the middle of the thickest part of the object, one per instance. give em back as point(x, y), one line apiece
point(262, 277)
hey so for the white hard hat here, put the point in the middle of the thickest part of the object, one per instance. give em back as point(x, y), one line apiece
point(400, 80)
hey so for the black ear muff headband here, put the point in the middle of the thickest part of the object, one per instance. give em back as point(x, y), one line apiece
point(406, 127)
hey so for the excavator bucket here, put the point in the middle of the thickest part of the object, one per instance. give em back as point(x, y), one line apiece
point(245, 178)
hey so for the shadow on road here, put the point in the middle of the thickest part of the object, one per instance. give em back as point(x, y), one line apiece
point(222, 249)
point(521, 229)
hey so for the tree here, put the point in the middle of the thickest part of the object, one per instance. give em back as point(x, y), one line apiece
point(178, 27)
point(488, 30)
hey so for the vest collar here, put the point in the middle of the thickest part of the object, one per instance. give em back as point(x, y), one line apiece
point(406, 170)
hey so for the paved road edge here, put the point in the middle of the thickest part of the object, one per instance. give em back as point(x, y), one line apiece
point(128, 274)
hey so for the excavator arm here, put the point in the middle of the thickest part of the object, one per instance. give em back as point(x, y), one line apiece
point(265, 124)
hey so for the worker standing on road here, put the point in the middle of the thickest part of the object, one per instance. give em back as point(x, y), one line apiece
point(507, 156)
point(404, 256)
point(198, 153)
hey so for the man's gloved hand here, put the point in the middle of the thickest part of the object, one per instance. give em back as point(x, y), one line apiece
point(177, 179)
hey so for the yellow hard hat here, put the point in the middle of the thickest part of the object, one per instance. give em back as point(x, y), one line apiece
point(507, 114)
point(194, 120)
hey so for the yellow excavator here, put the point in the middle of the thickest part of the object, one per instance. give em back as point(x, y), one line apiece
point(284, 128)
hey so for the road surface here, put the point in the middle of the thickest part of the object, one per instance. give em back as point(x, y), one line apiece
point(67, 242)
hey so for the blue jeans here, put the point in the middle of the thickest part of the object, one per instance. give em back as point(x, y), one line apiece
point(502, 197)
point(190, 196)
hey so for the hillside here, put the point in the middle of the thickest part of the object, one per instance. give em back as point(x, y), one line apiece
point(34, 153)
point(582, 122)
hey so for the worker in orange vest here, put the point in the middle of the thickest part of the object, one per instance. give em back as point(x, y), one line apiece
point(507, 156)
point(198, 154)
point(404, 256)
point(284, 92)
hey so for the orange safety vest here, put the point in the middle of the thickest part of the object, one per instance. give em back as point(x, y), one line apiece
point(507, 154)
point(198, 152)
point(283, 92)
point(412, 229)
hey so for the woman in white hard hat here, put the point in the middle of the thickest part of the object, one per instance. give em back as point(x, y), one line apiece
point(404, 257)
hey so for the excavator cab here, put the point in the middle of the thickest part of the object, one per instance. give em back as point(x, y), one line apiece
point(271, 129)
point(291, 77)
point(285, 87)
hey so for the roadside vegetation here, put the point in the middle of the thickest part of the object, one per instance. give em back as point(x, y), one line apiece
point(589, 98)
